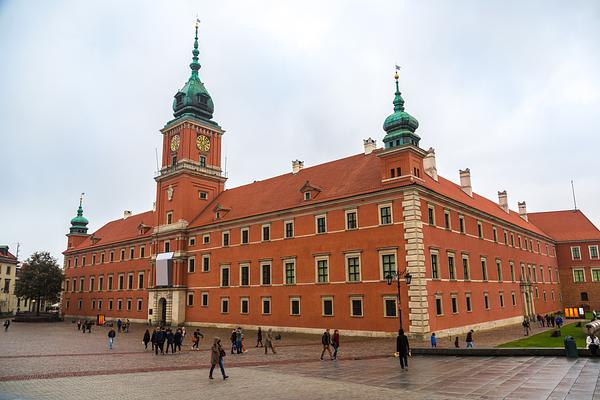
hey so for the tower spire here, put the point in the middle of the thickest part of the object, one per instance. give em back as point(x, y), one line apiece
point(79, 223)
point(400, 126)
point(398, 100)
point(195, 65)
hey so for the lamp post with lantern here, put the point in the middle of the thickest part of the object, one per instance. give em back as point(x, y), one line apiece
point(396, 276)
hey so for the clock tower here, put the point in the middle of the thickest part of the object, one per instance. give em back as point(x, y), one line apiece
point(190, 176)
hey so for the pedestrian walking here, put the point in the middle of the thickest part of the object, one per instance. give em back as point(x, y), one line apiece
point(217, 353)
point(238, 340)
point(146, 339)
point(433, 340)
point(127, 326)
point(326, 342)
point(335, 342)
point(196, 339)
point(525, 326)
point(170, 341)
point(269, 342)
point(233, 338)
point(6, 324)
point(161, 336)
point(456, 345)
point(470, 339)
point(111, 338)
point(78, 324)
point(403, 349)
point(178, 340)
point(593, 344)
point(559, 321)
point(153, 339)
point(89, 326)
point(119, 325)
point(259, 337)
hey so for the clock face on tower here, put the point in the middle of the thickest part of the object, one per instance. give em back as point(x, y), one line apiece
point(203, 143)
point(175, 143)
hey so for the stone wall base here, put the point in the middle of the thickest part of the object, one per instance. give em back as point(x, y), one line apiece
point(483, 326)
point(69, 317)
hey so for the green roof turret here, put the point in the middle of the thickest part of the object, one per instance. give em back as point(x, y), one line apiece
point(400, 126)
point(79, 223)
point(193, 98)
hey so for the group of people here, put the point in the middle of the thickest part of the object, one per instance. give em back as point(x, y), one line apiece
point(160, 336)
point(328, 341)
point(84, 325)
point(468, 340)
point(549, 320)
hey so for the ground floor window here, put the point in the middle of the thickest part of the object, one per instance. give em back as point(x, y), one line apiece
point(190, 299)
point(225, 305)
point(454, 301)
point(356, 306)
point(438, 305)
point(244, 305)
point(139, 304)
point(468, 302)
point(389, 307)
point(204, 299)
point(266, 305)
point(327, 306)
point(294, 306)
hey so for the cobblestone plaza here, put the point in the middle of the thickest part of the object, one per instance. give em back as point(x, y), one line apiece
point(55, 361)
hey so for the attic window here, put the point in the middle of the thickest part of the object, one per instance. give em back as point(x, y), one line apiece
point(218, 215)
point(306, 195)
point(393, 173)
point(179, 99)
point(202, 195)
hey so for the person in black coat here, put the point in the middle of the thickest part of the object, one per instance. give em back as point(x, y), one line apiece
point(170, 341)
point(153, 339)
point(146, 339)
point(402, 347)
point(160, 341)
point(178, 340)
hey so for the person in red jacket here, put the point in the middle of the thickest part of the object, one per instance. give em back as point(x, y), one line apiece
point(335, 342)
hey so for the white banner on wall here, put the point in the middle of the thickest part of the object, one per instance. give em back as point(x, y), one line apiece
point(164, 265)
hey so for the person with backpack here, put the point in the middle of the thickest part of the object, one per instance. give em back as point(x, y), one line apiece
point(326, 342)
point(217, 353)
point(161, 336)
point(111, 338)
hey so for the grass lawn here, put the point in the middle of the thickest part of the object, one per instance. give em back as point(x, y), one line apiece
point(544, 340)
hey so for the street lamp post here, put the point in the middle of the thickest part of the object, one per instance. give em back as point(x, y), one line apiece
point(397, 276)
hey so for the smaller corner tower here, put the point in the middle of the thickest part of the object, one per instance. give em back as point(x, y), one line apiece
point(78, 230)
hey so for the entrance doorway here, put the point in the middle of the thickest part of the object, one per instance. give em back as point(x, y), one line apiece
point(162, 311)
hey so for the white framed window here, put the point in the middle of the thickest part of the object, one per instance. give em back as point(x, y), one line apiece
point(439, 307)
point(192, 241)
point(512, 271)
point(451, 267)
point(501, 298)
point(190, 299)
point(550, 274)
point(578, 275)
point(142, 252)
point(265, 273)
point(435, 264)
point(385, 214)
point(266, 232)
point(244, 305)
point(289, 271)
point(224, 305)
point(352, 267)
point(122, 255)
point(447, 220)
point(130, 281)
point(100, 283)
point(595, 274)
point(461, 224)
point(245, 235)
point(206, 238)
point(351, 219)
point(499, 270)
point(204, 298)
point(322, 269)
point(513, 296)
point(121, 281)
point(205, 262)
point(486, 300)
point(327, 306)
point(140, 280)
point(100, 304)
point(542, 274)
point(466, 267)
point(110, 304)
point(321, 223)
point(93, 304)
point(119, 304)
point(390, 306)
point(294, 305)
point(306, 195)
point(244, 274)
point(266, 305)
point(454, 303)
point(225, 276)
point(170, 217)
point(468, 305)
point(484, 271)
point(495, 234)
point(140, 304)
point(356, 306)
point(225, 236)
point(167, 246)
point(131, 253)
point(387, 263)
point(431, 215)
point(92, 283)
point(288, 227)
point(593, 252)
point(479, 230)
point(191, 265)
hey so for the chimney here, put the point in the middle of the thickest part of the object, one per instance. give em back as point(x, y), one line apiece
point(523, 210)
point(503, 200)
point(370, 145)
point(153, 206)
point(429, 164)
point(4, 250)
point(297, 165)
point(126, 214)
point(465, 181)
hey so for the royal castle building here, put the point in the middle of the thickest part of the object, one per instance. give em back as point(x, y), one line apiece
point(320, 246)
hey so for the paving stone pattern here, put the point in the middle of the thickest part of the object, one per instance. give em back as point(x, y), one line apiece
point(55, 361)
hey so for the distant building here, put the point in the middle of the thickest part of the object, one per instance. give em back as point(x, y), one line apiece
point(8, 273)
point(312, 248)
point(577, 245)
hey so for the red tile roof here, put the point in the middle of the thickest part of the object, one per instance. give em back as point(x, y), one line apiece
point(9, 258)
point(336, 179)
point(566, 225)
point(120, 230)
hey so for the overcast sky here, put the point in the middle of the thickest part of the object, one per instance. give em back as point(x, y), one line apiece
point(510, 89)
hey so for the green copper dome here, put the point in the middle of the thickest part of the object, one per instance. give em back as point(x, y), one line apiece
point(400, 126)
point(193, 98)
point(79, 223)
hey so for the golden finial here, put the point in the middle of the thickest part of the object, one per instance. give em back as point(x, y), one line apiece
point(396, 75)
